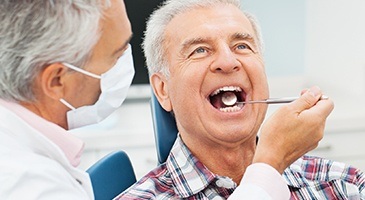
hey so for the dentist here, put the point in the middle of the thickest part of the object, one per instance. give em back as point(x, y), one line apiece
point(63, 65)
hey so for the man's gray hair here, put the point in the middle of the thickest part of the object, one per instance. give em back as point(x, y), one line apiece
point(153, 44)
point(34, 34)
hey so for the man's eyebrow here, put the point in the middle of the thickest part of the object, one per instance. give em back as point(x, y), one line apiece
point(243, 36)
point(121, 48)
point(193, 41)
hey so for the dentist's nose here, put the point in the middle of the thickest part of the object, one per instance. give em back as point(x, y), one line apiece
point(225, 61)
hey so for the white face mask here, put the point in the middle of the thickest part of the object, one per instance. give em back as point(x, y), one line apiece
point(114, 88)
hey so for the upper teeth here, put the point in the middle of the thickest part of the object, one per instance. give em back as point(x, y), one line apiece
point(227, 88)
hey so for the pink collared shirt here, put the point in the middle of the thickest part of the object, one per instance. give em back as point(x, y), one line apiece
point(69, 144)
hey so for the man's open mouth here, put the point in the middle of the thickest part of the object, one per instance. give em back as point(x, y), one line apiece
point(225, 99)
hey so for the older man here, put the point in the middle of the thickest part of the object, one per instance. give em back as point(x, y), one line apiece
point(63, 65)
point(203, 57)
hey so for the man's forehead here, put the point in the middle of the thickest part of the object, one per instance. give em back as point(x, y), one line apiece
point(203, 24)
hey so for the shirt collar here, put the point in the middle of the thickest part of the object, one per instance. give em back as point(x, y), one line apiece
point(69, 144)
point(189, 175)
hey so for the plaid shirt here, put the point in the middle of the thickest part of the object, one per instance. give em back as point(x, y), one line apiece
point(182, 176)
point(318, 178)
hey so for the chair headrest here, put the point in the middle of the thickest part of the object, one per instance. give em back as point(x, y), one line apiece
point(165, 129)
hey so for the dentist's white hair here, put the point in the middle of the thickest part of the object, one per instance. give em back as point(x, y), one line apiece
point(153, 44)
point(34, 34)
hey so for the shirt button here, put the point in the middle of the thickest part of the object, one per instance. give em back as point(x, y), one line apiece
point(80, 182)
point(219, 183)
point(225, 182)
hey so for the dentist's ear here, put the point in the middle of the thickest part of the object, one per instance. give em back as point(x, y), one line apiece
point(51, 81)
point(159, 85)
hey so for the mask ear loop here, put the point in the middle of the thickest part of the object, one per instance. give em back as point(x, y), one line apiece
point(67, 104)
point(82, 71)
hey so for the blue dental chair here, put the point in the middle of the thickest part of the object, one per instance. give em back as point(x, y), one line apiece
point(164, 127)
point(111, 175)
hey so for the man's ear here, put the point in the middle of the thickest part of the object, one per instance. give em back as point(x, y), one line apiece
point(52, 81)
point(160, 88)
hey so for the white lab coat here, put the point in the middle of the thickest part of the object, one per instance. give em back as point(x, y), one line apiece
point(32, 167)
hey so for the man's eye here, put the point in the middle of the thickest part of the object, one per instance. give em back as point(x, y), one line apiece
point(200, 50)
point(244, 48)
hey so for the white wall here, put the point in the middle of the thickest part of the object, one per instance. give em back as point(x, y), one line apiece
point(335, 49)
point(336, 45)
point(283, 29)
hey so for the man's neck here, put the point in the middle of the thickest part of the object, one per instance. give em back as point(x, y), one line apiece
point(225, 161)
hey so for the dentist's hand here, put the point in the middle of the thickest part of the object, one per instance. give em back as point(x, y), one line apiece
point(293, 130)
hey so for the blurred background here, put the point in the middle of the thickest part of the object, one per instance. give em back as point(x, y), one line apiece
point(307, 42)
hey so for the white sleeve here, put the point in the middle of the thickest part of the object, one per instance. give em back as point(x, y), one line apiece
point(21, 182)
point(261, 182)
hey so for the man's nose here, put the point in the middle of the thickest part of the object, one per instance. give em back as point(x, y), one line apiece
point(225, 61)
